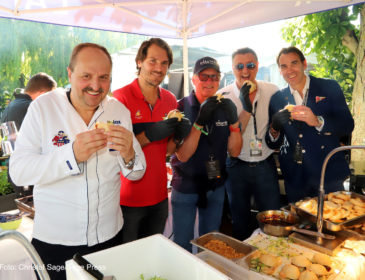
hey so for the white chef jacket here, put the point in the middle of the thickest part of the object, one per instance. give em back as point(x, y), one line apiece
point(75, 204)
point(263, 95)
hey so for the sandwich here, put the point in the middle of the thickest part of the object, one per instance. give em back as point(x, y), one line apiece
point(174, 114)
point(104, 125)
point(252, 84)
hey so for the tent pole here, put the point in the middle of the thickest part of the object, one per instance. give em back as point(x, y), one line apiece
point(185, 47)
point(186, 65)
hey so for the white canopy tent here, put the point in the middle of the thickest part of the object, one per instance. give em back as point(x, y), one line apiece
point(182, 19)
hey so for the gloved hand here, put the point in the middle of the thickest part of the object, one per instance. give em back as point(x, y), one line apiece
point(245, 99)
point(160, 130)
point(279, 119)
point(182, 129)
point(230, 109)
point(206, 110)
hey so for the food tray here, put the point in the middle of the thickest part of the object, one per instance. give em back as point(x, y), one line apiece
point(333, 226)
point(239, 246)
point(231, 269)
point(25, 204)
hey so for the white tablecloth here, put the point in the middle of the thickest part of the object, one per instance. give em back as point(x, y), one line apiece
point(15, 264)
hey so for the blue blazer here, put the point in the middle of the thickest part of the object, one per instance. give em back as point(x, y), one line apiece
point(326, 99)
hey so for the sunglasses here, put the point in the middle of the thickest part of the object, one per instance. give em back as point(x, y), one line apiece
point(241, 66)
point(205, 77)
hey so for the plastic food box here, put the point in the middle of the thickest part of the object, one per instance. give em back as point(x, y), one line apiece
point(151, 256)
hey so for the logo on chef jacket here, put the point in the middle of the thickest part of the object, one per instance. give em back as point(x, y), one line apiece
point(60, 139)
point(138, 115)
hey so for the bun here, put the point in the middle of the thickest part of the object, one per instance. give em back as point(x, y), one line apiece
point(308, 275)
point(322, 259)
point(318, 269)
point(103, 125)
point(289, 107)
point(175, 114)
point(252, 84)
point(269, 260)
point(289, 271)
point(300, 261)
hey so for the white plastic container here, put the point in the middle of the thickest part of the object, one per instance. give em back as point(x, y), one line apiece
point(152, 256)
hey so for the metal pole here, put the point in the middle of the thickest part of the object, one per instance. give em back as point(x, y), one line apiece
point(321, 192)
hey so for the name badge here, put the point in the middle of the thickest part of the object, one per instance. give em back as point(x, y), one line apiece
point(256, 147)
point(213, 169)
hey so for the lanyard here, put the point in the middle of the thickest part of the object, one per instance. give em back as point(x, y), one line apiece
point(254, 120)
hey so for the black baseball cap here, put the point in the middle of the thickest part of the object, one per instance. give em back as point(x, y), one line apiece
point(204, 63)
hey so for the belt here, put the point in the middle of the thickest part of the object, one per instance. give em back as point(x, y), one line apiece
point(254, 163)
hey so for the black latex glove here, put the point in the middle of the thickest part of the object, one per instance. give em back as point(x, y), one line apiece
point(279, 119)
point(230, 109)
point(206, 110)
point(182, 129)
point(245, 99)
point(161, 130)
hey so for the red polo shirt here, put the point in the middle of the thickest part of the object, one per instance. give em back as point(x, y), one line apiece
point(152, 188)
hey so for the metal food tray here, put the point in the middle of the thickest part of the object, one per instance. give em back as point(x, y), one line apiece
point(26, 204)
point(326, 223)
point(239, 246)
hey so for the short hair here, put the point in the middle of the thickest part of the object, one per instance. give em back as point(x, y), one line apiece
point(291, 49)
point(40, 82)
point(245, 51)
point(81, 46)
point(142, 51)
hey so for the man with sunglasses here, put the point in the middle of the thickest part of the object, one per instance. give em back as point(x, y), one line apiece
point(253, 171)
point(199, 164)
point(318, 119)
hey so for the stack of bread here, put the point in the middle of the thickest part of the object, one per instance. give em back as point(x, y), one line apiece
point(338, 207)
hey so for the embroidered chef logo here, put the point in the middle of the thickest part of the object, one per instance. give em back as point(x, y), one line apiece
point(320, 98)
point(138, 115)
point(60, 139)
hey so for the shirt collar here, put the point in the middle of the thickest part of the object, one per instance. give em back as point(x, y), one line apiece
point(306, 86)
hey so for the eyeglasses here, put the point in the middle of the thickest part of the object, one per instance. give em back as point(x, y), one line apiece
point(205, 77)
point(241, 66)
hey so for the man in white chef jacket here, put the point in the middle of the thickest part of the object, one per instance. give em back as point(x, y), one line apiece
point(75, 166)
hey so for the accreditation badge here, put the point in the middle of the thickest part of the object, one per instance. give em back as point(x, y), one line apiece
point(213, 169)
point(256, 147)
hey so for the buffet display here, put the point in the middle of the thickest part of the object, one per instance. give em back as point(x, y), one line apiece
point(273, 252)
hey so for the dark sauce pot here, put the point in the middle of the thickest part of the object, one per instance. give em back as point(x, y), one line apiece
point(282, 223)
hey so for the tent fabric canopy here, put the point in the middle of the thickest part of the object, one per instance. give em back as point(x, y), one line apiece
point(167, 19)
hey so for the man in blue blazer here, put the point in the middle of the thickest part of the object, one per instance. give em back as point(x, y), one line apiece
point(309, 129)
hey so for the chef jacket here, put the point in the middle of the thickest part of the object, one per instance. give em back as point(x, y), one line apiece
point(75, 203)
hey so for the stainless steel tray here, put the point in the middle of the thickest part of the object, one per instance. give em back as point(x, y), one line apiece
point(239, 246)
point(326, 223)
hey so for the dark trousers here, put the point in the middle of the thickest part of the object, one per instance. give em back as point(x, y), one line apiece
point(244, 181)
point(54, 256)
point(141, 222)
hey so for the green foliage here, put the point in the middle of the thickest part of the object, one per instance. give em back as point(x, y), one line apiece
point(321, 34)
point(29, 47)
point(5, 187)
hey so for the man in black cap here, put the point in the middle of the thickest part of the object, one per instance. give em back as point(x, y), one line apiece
point(199, 164)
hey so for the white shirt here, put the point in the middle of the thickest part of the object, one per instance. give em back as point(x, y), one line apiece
point(263, 95)
point(75, 204)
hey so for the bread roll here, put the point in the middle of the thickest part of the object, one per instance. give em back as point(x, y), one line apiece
point(175, 114)
point(289, 107)
point(322, 259)
point(252, 84)
point(103, 125)
point(308, 275)
point(269, 260)
point(289, 271)
point(318, 269)
point(301, 261)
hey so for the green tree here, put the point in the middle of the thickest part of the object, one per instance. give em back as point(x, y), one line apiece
point(31, 47)
point(339, 45)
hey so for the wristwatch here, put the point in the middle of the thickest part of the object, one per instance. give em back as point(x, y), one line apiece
point(130, 164)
